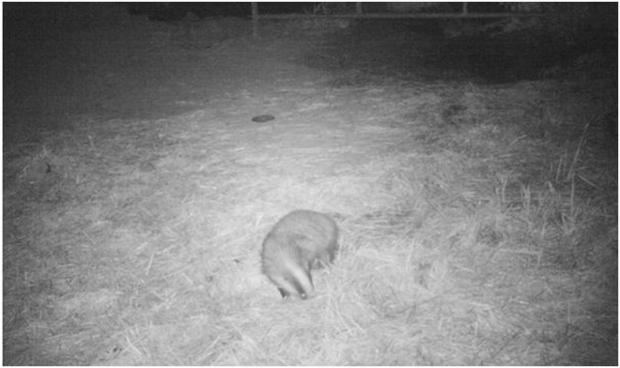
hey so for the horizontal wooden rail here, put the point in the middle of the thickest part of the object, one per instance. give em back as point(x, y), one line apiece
point(359, 14)
point(399, 15)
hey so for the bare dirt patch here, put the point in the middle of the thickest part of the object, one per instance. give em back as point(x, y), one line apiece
point(479, 221)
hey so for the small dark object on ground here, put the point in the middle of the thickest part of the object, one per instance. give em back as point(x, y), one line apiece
point(263, 118)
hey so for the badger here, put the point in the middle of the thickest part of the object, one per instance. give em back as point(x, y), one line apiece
point(301, 241)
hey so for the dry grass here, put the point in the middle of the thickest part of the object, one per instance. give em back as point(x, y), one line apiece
point(479, 226)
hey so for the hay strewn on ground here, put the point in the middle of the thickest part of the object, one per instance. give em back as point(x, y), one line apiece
point(479, 226)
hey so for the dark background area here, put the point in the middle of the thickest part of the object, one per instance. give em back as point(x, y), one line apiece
point(59, 57)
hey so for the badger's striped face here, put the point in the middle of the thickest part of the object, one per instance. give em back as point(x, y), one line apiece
point(287, 268)
point(295, 278)
point(297, 284)
point(285, 294)
point(288, 285)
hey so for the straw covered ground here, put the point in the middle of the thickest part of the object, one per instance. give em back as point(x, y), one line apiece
point(478, 221)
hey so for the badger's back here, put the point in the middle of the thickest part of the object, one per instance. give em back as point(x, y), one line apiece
point(300, 241)
point(314, 232)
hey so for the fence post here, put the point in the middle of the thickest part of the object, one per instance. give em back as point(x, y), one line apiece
point(254, 19)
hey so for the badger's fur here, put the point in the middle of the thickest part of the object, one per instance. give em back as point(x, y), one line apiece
point(299, 242)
